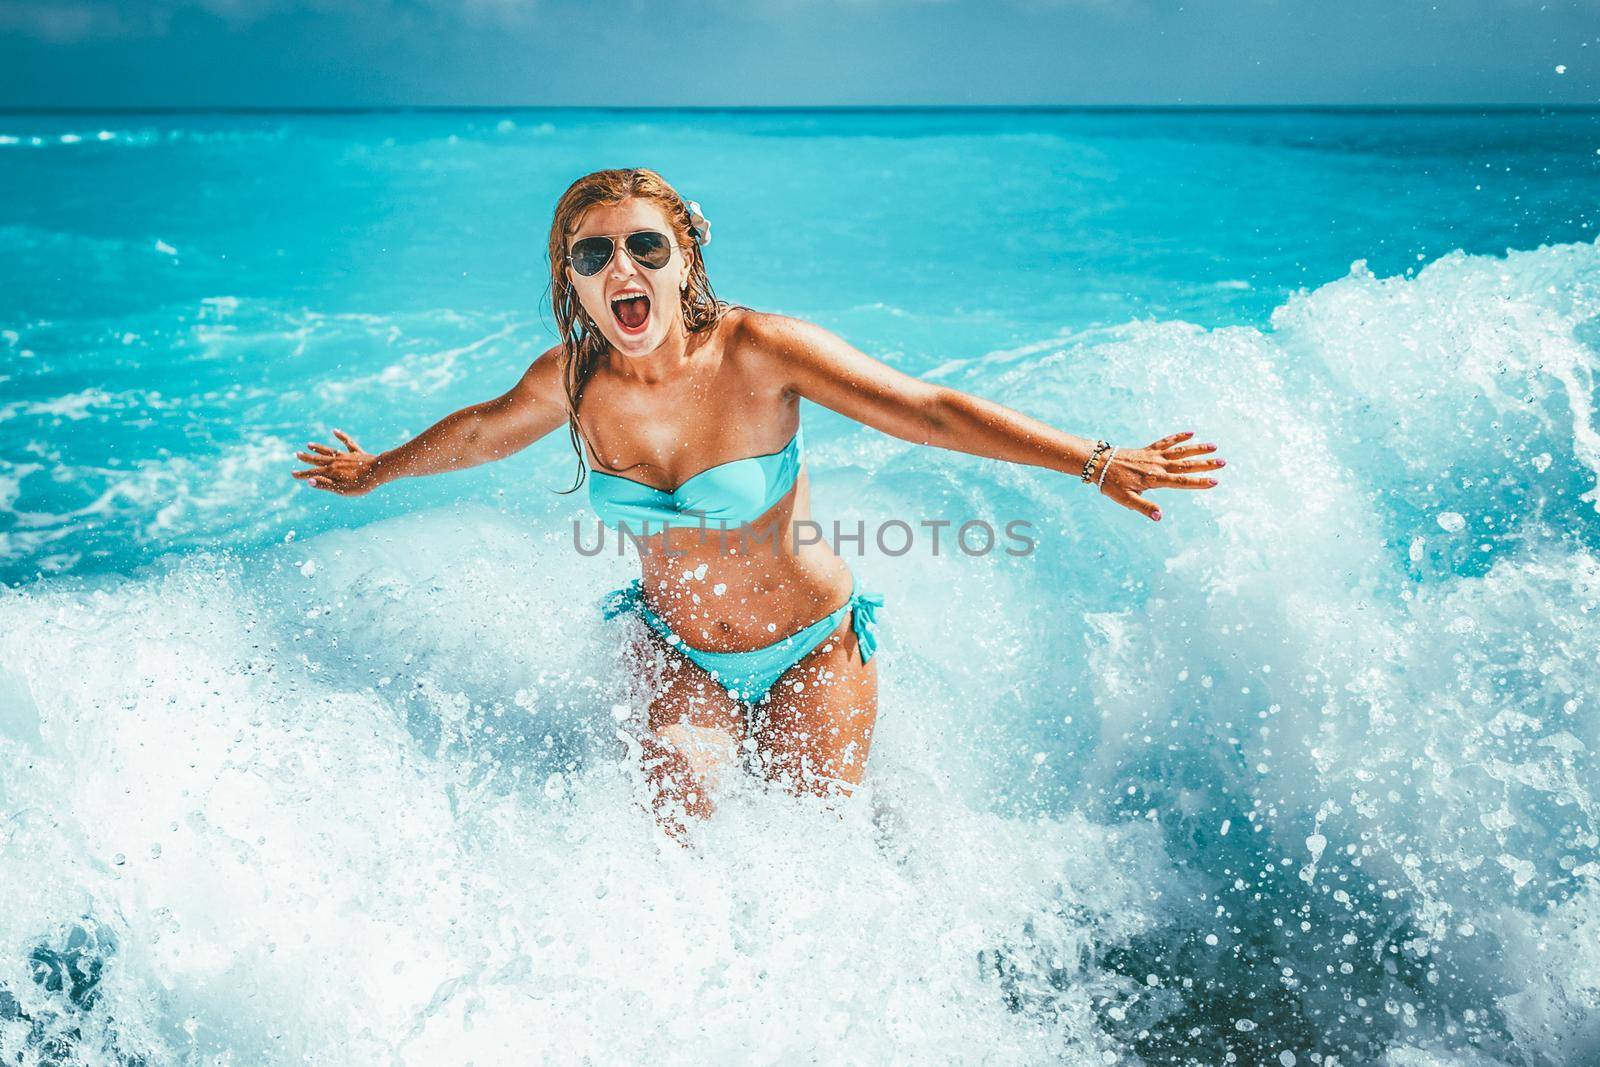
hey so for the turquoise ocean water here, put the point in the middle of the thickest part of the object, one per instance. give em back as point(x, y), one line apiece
point(1304, 773)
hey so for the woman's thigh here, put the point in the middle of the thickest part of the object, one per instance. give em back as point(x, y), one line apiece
point(694, 728)
point(815, 729)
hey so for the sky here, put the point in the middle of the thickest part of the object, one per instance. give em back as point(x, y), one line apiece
point(728, 53)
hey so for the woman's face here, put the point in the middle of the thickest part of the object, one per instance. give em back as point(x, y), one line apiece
point(634, 327)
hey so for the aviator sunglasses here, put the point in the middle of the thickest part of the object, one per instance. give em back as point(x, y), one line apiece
point(648, 248)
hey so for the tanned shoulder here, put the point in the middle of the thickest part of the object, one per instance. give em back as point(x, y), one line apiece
point(772, 342)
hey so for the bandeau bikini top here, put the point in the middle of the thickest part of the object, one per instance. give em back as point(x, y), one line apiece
point(731, 493)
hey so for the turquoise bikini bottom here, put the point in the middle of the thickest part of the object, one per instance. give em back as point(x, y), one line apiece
point(749, 675)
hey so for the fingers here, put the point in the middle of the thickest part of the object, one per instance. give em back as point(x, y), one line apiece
point(1185, 466)
point(1170, 440)
point(1193, 448)
point(1147, 508)
point(1180, 473)
point(1171, 481)
point(1130, 499)
point(316, 476)
point(327, 470)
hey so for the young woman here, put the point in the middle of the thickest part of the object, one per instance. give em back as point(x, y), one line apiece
point(685, 415)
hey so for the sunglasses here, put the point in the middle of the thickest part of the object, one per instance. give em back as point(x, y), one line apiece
point(647, 248)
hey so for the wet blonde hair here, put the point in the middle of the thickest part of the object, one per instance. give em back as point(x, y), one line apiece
point(583, 345)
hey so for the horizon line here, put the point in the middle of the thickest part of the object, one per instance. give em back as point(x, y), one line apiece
point(358, 109)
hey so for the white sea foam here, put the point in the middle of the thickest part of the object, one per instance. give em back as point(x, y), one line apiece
point(177, 501)
point(243, 851)
point(1366, 676)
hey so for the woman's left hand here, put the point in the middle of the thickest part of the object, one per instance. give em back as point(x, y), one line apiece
point(1164, 464)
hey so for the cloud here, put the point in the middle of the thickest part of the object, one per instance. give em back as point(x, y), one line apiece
point(48, 20)
point(79, 20)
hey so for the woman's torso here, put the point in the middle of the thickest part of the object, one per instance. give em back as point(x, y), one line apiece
point(719, 591)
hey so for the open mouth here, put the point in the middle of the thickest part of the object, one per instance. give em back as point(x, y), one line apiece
point(632, 312)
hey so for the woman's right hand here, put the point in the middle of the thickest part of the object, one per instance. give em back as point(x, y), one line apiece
point(348, 473)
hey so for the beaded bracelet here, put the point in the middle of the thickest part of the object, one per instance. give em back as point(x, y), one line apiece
point(1105, 467)
point(1088, 466)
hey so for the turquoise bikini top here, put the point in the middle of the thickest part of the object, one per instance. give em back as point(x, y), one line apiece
point(731, 493)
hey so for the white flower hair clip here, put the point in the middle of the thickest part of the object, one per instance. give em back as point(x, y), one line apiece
point(699, 225)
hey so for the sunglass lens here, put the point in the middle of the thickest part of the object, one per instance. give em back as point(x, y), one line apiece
point(650, 249)
point(590, 255)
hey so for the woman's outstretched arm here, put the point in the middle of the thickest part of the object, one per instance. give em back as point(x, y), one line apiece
point(477, 434)
point(824, 368)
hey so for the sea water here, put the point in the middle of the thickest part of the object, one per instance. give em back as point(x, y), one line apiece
point(1303, 774)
